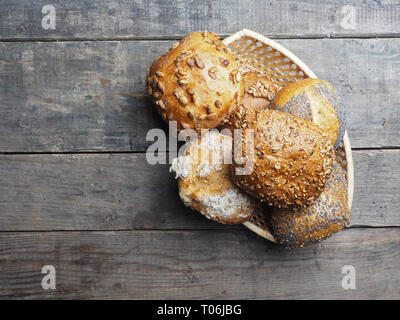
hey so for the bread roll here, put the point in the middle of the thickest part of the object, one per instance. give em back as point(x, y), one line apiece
point(259, 90)
point(196, 82)
point(292, 159)
point(205, 182)
point(303, 226)
point(315, 100)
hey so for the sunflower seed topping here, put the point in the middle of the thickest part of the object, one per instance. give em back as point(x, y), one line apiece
point(161, 104)
point(157, 95)
point(161, 87)
point(199, 63)
point(180, 95)
point(190, 62)
point(190, 116)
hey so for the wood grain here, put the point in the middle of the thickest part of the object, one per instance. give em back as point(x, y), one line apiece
point(124, 192)
point(103, 19)
point(90, 96)
point(198, 265)
point(113, 225)
point(75, 96)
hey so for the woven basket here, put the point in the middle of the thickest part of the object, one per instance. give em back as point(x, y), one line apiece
point(264, 55)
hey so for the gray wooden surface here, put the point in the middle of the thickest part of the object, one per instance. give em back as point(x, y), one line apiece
point(76, 191)
point(105, 19)
point(123, 192)
point(214, 264)
point(90, 96)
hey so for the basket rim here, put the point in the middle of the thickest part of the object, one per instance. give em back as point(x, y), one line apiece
point(310, 74)
point(273, 44)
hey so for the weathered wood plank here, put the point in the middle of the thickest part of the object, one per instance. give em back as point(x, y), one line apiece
point(75, 96)
point(90, 192)
point(95, 19)
point(198, 265)
point(84, 96)
point(123, 192)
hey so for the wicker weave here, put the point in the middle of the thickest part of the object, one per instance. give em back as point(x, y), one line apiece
point(265, 55)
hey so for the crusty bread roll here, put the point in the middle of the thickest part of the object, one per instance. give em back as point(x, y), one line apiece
point(292, 159)
point(196, 82)
point(315, 100)
point(303, 226)
point(205, 182)
point(259, 90)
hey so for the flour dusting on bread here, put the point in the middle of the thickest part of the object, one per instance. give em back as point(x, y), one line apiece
point(205, 182)
point(232, 202)
point(213, 149)
point(182, 166)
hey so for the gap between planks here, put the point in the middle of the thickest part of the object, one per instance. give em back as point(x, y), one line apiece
point(161, 152)
point(179, 37)
point(228, 229)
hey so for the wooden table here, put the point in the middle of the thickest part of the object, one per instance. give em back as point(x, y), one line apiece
point(77, 193)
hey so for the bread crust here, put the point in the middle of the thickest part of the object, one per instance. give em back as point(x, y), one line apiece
point(292, 159)
point(259, 91)
point(303, 226)
point(316, 100)
point(205, 182)
point(196, 82)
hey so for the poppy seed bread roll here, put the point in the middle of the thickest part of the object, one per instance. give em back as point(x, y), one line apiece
point(303, 226)
point(205, 182)
point(316, 100)
point(291, 158)
point(196, 82)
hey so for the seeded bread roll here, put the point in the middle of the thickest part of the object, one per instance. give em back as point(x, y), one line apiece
point(196, 82)
point(315, 100)
point(303, 226)
point(205, 182)
point(259, 90)
point(292, 159)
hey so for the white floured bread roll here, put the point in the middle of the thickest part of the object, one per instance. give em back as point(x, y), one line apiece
point(205, 183)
